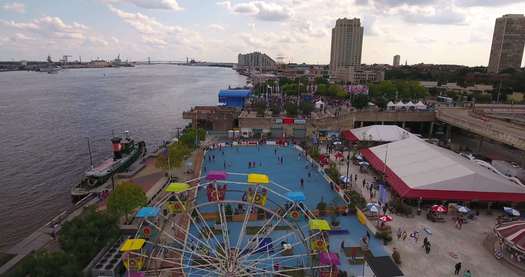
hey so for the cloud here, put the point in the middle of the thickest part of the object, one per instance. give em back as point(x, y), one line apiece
point(431, 15)
point(395, 3)
point(155, 33)
point(261, 10)
point(152, 4)
point(216, 27)
point(308, 28)
point(485, 3)
point(43, 35)
point(147, 26)
point(50, 26)
point(14, 7)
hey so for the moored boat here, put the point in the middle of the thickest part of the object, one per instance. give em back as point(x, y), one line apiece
point(125, 152)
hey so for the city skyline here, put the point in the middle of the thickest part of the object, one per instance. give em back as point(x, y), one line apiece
point(440, 31)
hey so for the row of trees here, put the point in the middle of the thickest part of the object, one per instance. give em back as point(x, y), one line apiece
point(179, 151)
point(80, 240)
point(331, 90)
point(398, 89)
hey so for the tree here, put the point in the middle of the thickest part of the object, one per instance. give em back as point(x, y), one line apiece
point(291, 109)
point(46, 264)
point(177, 153)
point(80, 240)
point(321, 80)
point(306, 107)
point(188, 137)
point(126, 197)
point(260, 107)
point(360, 101)
point(293, 88)
point(84, 236)
point(276, 109)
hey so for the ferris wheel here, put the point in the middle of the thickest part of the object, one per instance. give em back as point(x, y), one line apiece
point(212, 226)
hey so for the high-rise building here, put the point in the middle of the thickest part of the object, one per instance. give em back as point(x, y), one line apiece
point(397, 60)
point(255, 61)
point(508, 42)
point(347, 44)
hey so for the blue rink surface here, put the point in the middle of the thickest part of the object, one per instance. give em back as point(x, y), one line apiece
point(287, 175)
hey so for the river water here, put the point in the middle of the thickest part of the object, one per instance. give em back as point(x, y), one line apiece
point(45, 120)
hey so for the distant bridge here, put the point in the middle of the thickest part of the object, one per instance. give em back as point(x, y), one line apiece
point(214, 64)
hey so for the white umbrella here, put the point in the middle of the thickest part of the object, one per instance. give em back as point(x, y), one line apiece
point(344, 179)
point(373, 207)
point(511, 211)
point(364, 163)
point(337, 142)
point(463, 209)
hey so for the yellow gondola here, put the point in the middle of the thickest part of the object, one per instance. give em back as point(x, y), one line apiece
point(132, 259)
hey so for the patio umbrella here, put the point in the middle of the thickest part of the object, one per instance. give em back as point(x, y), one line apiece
point(337, 142)
point(386, 218)
point(373, 207)
point(344, 179)
point(463, 209)
point(511, 211)
point(364, 164)
point(439, 209)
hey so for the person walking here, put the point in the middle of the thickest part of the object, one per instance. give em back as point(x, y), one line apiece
point(399, 233)
point(426, 244)
point(457, 268)
point(467, 274)
point(302, 183)
point(343, 246)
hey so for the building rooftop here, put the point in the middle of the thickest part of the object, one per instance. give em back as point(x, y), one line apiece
point(234, 93)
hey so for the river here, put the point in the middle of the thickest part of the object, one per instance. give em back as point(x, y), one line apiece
point(45, 120)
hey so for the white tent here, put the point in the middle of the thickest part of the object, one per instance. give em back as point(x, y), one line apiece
point(384, 133)
point(420, 106)
point(410, 105)
point(390, 105)
point(319, 104)
point(400, 105)
point(415, 168)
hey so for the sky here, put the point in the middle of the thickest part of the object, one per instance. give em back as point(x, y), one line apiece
point(421, 31)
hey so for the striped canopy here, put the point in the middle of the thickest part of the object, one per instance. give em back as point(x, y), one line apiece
point(513, 233)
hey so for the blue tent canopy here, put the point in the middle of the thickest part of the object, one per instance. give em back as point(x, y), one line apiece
point(234, 97)
point(148, 212)
point(234, 93)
